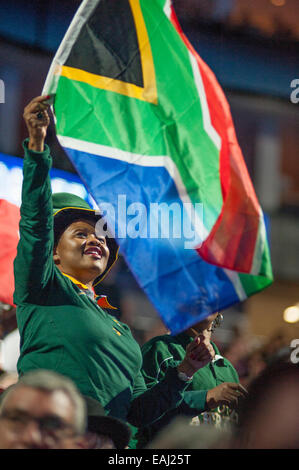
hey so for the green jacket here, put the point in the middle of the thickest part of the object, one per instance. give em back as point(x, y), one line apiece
point(64, 330)
point(164, 352)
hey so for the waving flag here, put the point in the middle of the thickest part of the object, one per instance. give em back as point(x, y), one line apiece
point(149, 130)
point(9, 237)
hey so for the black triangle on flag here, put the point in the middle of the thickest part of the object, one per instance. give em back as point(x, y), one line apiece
point(106, 53)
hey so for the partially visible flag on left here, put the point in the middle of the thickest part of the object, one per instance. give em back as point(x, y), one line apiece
point(9, 237)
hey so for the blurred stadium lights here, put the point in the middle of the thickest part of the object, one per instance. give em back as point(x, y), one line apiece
point(278, 3)
point(291, 314)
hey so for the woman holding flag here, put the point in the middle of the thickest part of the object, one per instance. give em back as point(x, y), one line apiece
point(61, 257)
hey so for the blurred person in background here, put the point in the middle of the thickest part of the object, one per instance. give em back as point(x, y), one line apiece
point(7, 379)
point(10, 351)
point(180, 435)
point(61, 256)
point(43, 410)
point(10, 339)
point(269, 417)
point(214, 391)
point(238, 350)
point(251, 359)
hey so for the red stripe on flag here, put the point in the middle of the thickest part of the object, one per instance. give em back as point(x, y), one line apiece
point(9, 238)
point(231, 242)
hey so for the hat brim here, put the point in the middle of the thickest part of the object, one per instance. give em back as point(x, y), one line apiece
point(66, 216)
point(118, 431)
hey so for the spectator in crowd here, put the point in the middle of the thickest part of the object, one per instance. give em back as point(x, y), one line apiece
point(268, 417)
point(180, 435)
point(43, 410)
point(214, 391)
point(7, 379)
point(104, 432)
point(250, 357)
point(62, 327)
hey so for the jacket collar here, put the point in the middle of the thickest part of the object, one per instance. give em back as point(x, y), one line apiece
point(101, 300)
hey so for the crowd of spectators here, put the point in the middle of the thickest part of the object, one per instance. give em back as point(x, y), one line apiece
point(84, 383)
point(267, 416)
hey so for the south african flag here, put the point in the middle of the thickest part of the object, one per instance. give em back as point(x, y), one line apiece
point(149, 130)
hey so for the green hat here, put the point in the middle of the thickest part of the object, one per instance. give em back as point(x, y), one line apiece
point(66, 209)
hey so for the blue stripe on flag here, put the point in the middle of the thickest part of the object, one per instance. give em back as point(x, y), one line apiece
point(181, 285)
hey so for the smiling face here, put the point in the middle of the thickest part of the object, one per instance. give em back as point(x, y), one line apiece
point(81, 253)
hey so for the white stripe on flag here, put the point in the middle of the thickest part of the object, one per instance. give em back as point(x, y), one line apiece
point(259, 246)
point(167, 8)
point(70, 37)
point(235, 280)
point(210, 130)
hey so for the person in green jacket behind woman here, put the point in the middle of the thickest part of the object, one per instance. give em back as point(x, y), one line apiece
point(61, 256)
point(213, 392)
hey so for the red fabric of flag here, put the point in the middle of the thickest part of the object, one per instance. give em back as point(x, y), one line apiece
point(231, 242)
point(9, 237)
